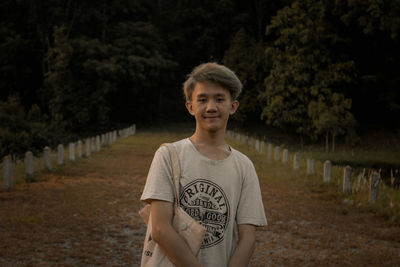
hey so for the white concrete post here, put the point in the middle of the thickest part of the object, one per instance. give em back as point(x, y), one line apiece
point(269, 154)
point(7, 173)
point(296, 162)
point(60, 154)
point(347, 180)
point(29, 170)
point(88, 147)
point(79, 149)
point(373, 188)
point(93, 142)
point(71, 151)
point(238, 137)
point(108, 141)
point(285, 156)
point(327, 171)
point(97, 143)
point(277, 151)
point(360, 181)
point(310, 166)
point(47, 158)
point(258, 145)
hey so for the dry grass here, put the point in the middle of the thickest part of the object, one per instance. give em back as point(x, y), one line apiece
point(85, 214)
point(309, 225)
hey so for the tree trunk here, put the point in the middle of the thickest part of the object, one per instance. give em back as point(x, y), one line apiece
point(68, 11)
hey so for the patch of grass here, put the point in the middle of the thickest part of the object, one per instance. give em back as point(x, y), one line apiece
point(377, 148)
point(388, 202)
point(142, 138)
point(359, 158)
point(27, 219)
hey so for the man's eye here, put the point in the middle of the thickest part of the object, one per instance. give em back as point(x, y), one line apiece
point(220, 99)
point(201, 100)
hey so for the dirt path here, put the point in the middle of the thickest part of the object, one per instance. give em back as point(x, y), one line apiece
point(86, 215)
point(307, 230)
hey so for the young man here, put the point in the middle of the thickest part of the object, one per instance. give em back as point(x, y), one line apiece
point(218, 187)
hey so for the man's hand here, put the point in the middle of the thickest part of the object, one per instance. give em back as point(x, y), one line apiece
point(167, 238)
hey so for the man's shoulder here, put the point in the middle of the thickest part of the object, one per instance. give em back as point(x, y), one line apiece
point(241, 156)
point(181, 142)
point(179, 146)
point(176, 144)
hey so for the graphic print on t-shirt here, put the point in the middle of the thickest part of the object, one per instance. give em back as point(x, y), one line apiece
point(206, 203)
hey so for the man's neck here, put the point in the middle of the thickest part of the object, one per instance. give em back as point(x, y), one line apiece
point(211, 144)
point(208, 138)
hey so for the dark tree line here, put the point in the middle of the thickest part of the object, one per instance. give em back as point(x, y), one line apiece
point(315, 68)
point(324, 68)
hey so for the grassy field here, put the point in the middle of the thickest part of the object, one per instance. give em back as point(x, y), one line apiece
point(388, 202)
point(376, 149)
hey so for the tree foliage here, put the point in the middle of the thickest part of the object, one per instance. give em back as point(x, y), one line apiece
point(373, 27)
point(91, 65)
point(332, 117)
point(246, 57)
point(21, 131)
point(306, 74)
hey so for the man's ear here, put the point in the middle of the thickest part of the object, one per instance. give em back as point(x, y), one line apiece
point(189, 107)
point(234, 107)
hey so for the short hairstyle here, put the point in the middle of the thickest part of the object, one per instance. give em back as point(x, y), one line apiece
point(212, 72)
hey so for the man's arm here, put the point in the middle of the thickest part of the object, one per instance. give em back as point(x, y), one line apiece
point(167, 238)
point(245, 246)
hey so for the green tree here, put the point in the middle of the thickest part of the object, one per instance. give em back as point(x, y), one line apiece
point(59, 80)
point(143, 71)
point(374, 28)
point(332, 117)
point(305, 66)
point(246, 57)
point(21, 131)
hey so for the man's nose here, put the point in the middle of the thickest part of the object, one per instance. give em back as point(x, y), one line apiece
point(211, 105)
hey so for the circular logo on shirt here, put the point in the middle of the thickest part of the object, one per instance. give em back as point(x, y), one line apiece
point(207, 203)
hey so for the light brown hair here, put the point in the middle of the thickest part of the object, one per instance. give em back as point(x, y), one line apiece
point(216, 73)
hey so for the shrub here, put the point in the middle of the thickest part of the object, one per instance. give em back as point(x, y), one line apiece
point(21, 131)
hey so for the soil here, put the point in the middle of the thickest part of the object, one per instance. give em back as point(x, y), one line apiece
point(87, 215)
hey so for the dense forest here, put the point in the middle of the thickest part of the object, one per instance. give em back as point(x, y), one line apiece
point(320, 69)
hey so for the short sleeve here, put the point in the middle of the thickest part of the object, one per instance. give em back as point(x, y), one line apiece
point(159, 183)
point(251, 208)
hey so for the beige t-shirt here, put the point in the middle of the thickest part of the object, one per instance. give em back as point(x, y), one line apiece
point(218, 193)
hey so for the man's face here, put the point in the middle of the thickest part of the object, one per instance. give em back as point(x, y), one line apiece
point(211, 106)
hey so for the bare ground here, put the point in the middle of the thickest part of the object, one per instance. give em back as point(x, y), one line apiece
point(87, 215)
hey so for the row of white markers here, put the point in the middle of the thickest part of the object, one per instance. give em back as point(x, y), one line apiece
point(92, 144)
point(275, 153)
